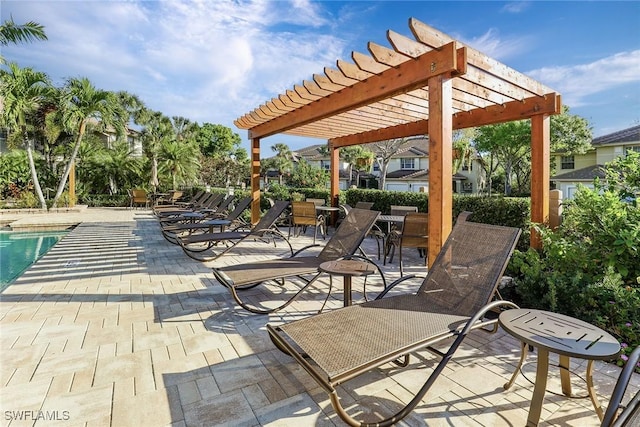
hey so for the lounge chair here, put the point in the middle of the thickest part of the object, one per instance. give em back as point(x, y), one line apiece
point(207, 246)
point(211, 200)
point(630, 414)
point(343, 344)
point(232, 221)
point(343, 244)
point(216, 204)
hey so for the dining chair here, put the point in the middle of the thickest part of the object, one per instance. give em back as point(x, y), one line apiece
point(303, 214)
point(415, 234)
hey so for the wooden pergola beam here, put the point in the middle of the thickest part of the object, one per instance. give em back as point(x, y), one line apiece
point(407, 76)
point(514, 110)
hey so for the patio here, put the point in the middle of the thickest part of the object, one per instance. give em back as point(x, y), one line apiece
point(115, 327)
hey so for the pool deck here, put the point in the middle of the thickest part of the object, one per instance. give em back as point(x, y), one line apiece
point(117, 327)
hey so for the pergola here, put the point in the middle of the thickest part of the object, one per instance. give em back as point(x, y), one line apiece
point(428, 86)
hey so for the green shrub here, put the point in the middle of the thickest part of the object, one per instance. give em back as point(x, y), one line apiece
point(27, 200)
point(590, 266)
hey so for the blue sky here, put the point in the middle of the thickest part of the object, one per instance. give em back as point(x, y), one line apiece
point(215, 60)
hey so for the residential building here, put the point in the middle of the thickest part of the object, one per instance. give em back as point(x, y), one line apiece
point(408, 169)
point(584, 168)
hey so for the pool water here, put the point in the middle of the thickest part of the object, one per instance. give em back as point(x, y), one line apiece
point(18, 250)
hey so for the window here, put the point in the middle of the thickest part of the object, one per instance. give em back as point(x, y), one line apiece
point(407, 163)
point(567, 162)
point(628, 150)
point(376, 167)
point(467, 166)
point(325, 164)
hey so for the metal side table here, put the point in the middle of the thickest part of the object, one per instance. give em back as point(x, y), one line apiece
point(563, 335)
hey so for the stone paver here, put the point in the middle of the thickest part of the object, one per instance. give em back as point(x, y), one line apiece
point(117, 327)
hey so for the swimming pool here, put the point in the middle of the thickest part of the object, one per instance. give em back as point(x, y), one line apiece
point(18, 250)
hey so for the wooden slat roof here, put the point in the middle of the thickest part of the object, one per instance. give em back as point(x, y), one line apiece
point(385, 94)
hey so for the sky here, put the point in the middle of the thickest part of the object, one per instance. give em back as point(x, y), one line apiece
point(212, 61)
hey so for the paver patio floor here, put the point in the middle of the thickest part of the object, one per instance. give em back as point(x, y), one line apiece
point(117, 327)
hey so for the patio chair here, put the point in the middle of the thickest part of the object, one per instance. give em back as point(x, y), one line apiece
point(630, 414)
point(375, 231)
point(414, 234)
point(303, 215)
point(215, 203)
point(344, 344)
point(173, 231)
point(343, 244)
point(210, 200)
point(206, 246)
point(197, 199)
point(138, 197)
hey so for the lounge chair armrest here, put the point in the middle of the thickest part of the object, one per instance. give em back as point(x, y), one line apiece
point(397, 282)
point(304, 249)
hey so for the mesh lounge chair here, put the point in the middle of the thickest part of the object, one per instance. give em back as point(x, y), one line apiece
point(211, 200)
point(216, 204)
point(231, 220)
point(343, 344)
point(630, 415)
point(375, 231)
point(206, 246)
point(343, 244)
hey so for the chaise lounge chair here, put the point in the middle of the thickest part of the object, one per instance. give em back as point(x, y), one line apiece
point(343, 344)
point(629, 416)
point(232, 221)
point(206, 246)
point(343, 244)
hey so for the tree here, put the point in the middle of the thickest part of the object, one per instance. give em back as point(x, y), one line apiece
point(308, 176)
point(179, 160)
point(217, 140)
point(510, 144)
point(157, 128)
point(350, 155)
point(23, 90)
point(384, 150)
point(81, 103)
point(283, 161)
point(570, 133)
point(462, 147)
point(10, 32)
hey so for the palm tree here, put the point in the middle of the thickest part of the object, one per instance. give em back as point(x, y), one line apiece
point(23, 90)
point(157, 128)
point(119, 165)
point(81, 103)
point(350, 156)
point(10, 32)
point(179, 160)
point(283, 161)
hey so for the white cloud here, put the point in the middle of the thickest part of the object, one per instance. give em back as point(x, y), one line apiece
point(493, 45)
point(578, 82)
point(206, 60)
point(516, 6)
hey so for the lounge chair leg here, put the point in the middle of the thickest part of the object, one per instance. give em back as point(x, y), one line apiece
point(523, 355)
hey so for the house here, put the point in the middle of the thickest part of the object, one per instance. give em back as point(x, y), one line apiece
point(407, 170)
point(584, 168)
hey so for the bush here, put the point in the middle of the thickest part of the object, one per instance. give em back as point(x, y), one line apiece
point(589, 267)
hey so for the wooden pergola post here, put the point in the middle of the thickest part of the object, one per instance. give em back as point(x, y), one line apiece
point(540, 155)
point(440, 163)
point(255, 180)
point(334, 155)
